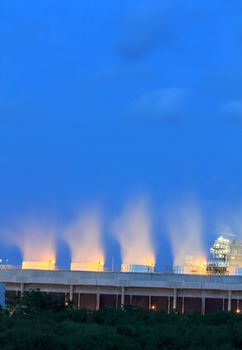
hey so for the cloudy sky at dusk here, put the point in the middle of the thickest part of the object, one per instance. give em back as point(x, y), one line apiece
point(107, 104)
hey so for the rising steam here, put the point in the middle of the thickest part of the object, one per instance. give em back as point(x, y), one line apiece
point(133, 231)
point(36, 243)
point(84, 239)
point(185, 232)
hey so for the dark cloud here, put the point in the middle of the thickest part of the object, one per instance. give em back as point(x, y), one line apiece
point(163, 105)
point(152, 26)
point(143, 39)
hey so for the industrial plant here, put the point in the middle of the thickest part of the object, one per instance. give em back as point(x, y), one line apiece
point(224, 258)
point(200, 284)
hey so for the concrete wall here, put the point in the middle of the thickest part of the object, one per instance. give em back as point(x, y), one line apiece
point(94, 290)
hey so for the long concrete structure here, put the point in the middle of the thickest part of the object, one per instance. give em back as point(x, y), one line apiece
point(158, 291)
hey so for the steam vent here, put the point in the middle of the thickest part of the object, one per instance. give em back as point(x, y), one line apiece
point(38, 265)
point(94, 266)
point(138, 268)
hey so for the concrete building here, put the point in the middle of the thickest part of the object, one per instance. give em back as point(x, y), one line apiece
point(157, 291)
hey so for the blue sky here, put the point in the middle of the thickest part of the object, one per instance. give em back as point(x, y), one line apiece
point(103, 101)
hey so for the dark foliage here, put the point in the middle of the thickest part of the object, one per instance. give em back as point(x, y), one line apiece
point(40, 321)
point(35, 301)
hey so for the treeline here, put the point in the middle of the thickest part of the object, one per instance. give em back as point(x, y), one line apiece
point(41, 321)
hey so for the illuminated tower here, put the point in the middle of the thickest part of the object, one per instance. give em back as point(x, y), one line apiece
point(219, 251)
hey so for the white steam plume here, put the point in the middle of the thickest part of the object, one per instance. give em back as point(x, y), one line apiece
point(133, 231)
point(37, 243)
point(185, 231)
point(84, 238)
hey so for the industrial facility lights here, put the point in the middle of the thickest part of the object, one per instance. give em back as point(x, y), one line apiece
point(38, 265)
point(88, 266)
point(138, 268)
point(220, 248)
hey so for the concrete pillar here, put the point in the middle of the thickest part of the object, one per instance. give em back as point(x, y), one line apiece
point(122, 297)
point(149, 302)
point(22, 288)
point(79, 301)
point(223, 305)
point(98, 301)
point(203, 304)
point(183, 305)
point(174, 298)
point(168, 307)
point(229, 300)
point(71, 292)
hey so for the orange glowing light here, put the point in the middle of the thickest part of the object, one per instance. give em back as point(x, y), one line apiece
point(88, 266)
point(153, 307)
point(237, 311)
point(195, 265)
point(38, 265)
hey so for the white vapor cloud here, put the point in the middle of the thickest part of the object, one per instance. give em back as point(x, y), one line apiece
point(35, 241)
point(185, 228)
point(133, 231)
point(84, 238)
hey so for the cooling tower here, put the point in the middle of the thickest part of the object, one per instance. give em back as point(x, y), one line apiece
point(94, 266)
point(38, 265)
point(137, 268)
